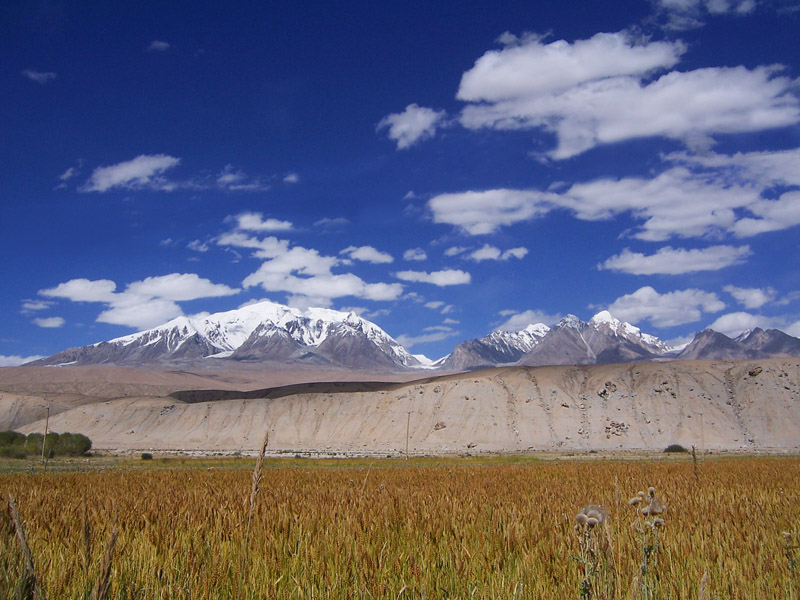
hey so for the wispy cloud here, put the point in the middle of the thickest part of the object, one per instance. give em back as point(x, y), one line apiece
point(367, 254)
point(15, 361)
point(143, 172)
point(38, 76)
point(158, 46)
point(415, 254)
point(751, 297)
point(488, 252)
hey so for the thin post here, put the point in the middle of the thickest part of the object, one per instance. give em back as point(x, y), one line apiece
point(44, 439)
point(408, 426)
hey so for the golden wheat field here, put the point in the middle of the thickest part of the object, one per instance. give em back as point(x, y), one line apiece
point(423, 529)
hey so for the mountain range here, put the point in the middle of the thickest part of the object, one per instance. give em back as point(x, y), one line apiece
point(267, 332)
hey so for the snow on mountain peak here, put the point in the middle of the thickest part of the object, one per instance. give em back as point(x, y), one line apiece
point(572, 322)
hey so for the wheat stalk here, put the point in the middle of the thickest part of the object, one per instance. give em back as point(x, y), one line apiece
point(28, 586)
point(253, 493)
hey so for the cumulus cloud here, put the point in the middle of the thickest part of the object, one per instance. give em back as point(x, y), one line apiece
point(50, 322)
point(733, 324)
point(416, 254)
point(414, 124)
point(157, 46)
point(144, 303)
point(15, 361)
point(516, 321)
point(38, 76)
point(455, 250)
point(143, 172)
point(676, 261)
point(255, 221)
point(602, 91)
point(665, 310)
point(197, 246)
point(438, 278)
point(484, 212)
point(751, 297)
point(434, 305)
point(367, 254)
point(528, 67)
point(698, 197)
point(488, 252)
point(305, 274)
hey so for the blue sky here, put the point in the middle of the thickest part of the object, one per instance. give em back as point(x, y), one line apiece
point(442, 171)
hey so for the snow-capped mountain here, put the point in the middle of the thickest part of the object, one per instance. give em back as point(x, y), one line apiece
point(264, 331)
point(497, 348)
point(751, 344)
point(603, 339)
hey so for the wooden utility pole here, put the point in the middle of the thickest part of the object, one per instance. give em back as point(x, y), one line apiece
point(44, 439)
point(408, 426)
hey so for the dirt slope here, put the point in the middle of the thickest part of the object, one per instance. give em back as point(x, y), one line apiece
point(713, 405)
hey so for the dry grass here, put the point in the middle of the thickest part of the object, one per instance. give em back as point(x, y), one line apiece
point(456, 530)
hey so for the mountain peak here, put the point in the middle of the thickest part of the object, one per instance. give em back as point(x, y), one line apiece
point(572, 322)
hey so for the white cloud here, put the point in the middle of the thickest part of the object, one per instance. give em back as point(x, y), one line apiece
point(197, 246)
point(15, 361)
point(665, 310)
point(38, 76)
point(751, 297)
point(178, 287)
point(517, 321)
point(585, 102)
point(142, 304)
point(488, 252)
point(455, 250)
point(766, 168)
point(50, 322)
point(689, 14)
point(527, 68)
point(254, 221)
point(770, 215)
point(140, 314)
point(676, 202)
point(269, 247)
point(434, 305)
point(432, 334)
point(676, 261)
point(415, 254)
point(291, 178)
point(331, 223)
point(367, 254)
point(30, 306)
point(733, 324)
point(235, 180)
point(83, 290)
point(158, 46)
point(143, 172)
point(414, 124)
point(483, 212)
point(439, 278)
point(68, 174)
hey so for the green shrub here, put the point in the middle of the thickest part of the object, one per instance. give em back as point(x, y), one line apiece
point(71, 444)
point(15, 451)
point(11, 438)
point(675, 448)
point(147, 456)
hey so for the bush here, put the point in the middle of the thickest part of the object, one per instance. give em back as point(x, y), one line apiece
point(16, 451)
point(71, 444)
point(11, 438)
point(675, 448)
point(147, 456)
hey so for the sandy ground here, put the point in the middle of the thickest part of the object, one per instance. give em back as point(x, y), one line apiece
point(752, 406)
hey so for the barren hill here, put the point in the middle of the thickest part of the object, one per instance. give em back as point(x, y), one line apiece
point(748, 405)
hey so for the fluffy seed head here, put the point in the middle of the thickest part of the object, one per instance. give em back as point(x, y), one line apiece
point(581, 518)
point(658, 522)
point(591, 521)
point(651, 491)
point(635, 500)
